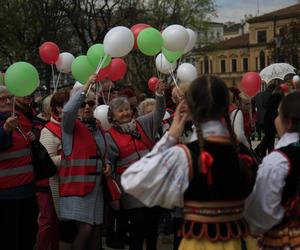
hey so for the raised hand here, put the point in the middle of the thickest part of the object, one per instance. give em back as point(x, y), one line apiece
point(10, 124)
point(178, 123)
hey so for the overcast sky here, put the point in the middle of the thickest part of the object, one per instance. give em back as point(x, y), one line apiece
point(234, 10)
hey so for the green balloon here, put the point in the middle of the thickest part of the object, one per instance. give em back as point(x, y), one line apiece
point(96, 53)
point(22, 79)
point(171, 56)
point(150, 41)
point(81, 69)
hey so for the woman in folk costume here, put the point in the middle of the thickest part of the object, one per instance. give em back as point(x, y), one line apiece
point(129, 140)
point(82, 165)
point(273, 207)
point(208, 177)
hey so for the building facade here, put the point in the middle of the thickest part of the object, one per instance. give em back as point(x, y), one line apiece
point(270, 39)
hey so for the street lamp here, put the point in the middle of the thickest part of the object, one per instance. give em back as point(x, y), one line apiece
point(278, 41)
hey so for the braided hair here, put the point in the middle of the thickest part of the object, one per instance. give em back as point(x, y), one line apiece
point(208, 99)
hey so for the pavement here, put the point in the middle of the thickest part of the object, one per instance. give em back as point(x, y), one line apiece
point(165, 242)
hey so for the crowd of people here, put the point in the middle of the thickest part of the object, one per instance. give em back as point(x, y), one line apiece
point(186, 154)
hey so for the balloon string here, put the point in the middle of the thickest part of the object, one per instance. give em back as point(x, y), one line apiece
point(100, 64)
point(96, 94)
point(53, 80)
point(108, 97)
point(103, 98)
point(171, 74)
point(57, 82)
point(157, 72)
point(14, 107)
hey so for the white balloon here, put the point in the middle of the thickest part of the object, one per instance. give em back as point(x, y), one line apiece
point(187, 72)
point(296, 78)
point(118, 42)
point(163, 65)
point(192, 41)
point(100, 113)
point(64, 62)
point(175, 37)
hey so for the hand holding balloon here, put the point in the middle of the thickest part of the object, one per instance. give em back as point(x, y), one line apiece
point(92, 80)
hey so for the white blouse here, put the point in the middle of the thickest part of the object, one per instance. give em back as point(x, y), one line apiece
point(263, 206)
point(162, 176)
point(237, 122)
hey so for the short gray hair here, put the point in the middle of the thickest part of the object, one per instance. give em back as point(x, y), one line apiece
point(144, 104)
point(46, 104)
point(3, 89)
point(114, 104)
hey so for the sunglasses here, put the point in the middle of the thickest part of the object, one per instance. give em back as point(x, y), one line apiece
point(89, 103)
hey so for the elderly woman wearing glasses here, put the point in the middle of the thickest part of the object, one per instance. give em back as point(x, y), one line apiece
point(82, 165)
point(18, 207)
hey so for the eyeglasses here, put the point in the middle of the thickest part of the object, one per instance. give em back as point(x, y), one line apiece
point(89, 103)
point(6, 98)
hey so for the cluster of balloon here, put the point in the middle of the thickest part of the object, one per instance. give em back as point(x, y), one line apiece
point(251, 83)
point(50, 54)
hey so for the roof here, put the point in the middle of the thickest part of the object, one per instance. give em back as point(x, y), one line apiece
point(233, 28)
point(232, 43)
point(213, 23)
point(288, 12)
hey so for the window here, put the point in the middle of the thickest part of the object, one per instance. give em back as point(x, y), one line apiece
point(262, 36)
point(201, 67)
point(223, 66)
point(233, 65)
point(211, 35)
point(245, 64)
point(211, 66)
point(218, 35)
point(262, 60)
point(206, 65)
point(256, 63)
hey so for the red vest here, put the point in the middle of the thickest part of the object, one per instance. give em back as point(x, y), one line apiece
point(77, 170)
point(24, 122)
point(130, 148)
point(54, 128)
point(15, 162)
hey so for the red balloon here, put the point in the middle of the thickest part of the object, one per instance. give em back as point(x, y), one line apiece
point(284, 87)
point(152, 82)
point(136, 29)
point(118, 69)
point(49, 52)
point(103, 73)
point(251, 83)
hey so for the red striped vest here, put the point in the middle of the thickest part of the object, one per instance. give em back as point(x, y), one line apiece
point(130, 149)
point(75, 177)
point(15, 163)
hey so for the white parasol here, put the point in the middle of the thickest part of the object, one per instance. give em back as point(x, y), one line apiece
point(276, 71)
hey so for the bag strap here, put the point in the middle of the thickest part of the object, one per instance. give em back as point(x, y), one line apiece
point(233, 120)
